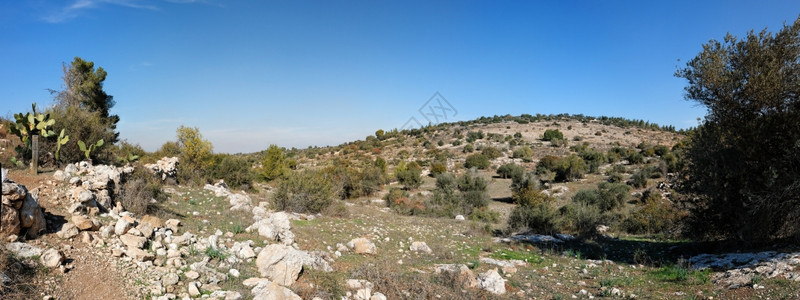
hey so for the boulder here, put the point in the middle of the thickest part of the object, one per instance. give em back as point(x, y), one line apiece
point(267, 290)
point(276, 227)
point(282, 264)
point(240, 202)
point(84, 223)
point(133, 241)
point(362, 246)
point(23, 250)
point(68, 231)
point(166, 167)
point(420, 247)
point(9, 221)
point(173, 224)
point(492, 282)
point(52, 258)
point(139, 254)
point(463, 275)
point(122, 226)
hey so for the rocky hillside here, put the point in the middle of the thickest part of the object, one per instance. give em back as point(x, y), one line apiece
point(79, 232)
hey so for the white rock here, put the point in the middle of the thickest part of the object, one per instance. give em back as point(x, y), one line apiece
point(52, 258)
point(492, 282)
point(420, 247)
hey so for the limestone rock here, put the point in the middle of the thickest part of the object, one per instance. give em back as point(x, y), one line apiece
point(492, 282)
point(23, 250)
point(122, 226)
point(282, 264)
point(9, 221)
point(52, 258)
point(267, 290)
point(173, 224)
point(68, 231)
point(461, 272)
point(362, 246)
point(139, 254)
point(420, 247)
point(83, 223)
point(133, 241)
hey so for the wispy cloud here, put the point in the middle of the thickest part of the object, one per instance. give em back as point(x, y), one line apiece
point(79, 7)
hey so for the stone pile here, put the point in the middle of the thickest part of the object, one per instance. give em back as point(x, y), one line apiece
point(238, 201)
point(739, 269)
point(21, 213)
point(166, 168)
point(91, 188)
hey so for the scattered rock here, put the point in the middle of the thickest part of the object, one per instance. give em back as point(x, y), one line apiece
point(462, 273)
point(420, 247)
point(267, 290)
point(362, 246)
point(492, 282)
point(23, 250)
point(133, 241)
point(166, 167)
point(68, 231)
point(52, 258)
point(139, 254)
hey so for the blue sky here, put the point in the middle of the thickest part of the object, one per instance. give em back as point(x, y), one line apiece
point(298, 73)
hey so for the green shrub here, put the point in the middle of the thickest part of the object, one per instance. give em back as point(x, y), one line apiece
point(537, 218)
point(491, 152)
point(195, 155)
point(437, 168)
point(552, 134)
point(639, 179)
point(303, 192)
point(275, 164)
point(566, 169)
point(510, 170)
point(612, 195)
point(484, 214)
point(525, 153)
point(235, 170)
point(469, 148)
point(581, 218)
point(409, 175)
point(478, 161)
point(460, 196)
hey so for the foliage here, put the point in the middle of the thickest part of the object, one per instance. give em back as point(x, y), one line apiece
point(540, 218)
point(140, 190)
point(275, 164)
point(236, 170)
point(458, 196)
point(304, 191)
point(195, 154)
point(581, 217)
point(88, 150)
point(437, 168)
point(655, 216)
point(61, 141)
point(745, 156)
point(510, 170)
point(565, 169)
point(525, 153)
point(479, 161)
point(552, 134)
point(409, 175)
point(491, 152)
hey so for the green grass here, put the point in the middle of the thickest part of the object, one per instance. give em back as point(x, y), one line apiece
point(216, 253)
point(680, 274)
point(518, 255)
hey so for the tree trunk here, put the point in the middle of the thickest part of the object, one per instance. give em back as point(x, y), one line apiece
point(35, 155)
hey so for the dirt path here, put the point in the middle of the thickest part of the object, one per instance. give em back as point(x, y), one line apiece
point(91, 273)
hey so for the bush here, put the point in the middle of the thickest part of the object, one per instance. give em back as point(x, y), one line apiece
point(237, 171)
point(639, 179)
point(458, 196)
point(552, 134)
point(537, 218)
point(484, 214)
point(566, 169)
point(478, 161)
point(81, 125)
point(525, 153)
point(275, 164)
point(655, 216)
point(195, 155)
point(303, 192)
point(491, 152)
point(510, 170)
point(581, 218)
point(409, 175)
point(438, 168)
point(612, 195)
point(138, 192)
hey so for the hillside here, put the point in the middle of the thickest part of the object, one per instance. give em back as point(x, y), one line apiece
point(593, 212)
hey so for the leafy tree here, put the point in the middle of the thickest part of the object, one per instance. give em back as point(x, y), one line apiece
point(83, 86)
point(510, 170)
point(275, 164)
point(479, 161)
point(745, 156)
point(552, 134)
point(195, 154)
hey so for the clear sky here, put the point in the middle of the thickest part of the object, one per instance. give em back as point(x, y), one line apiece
point(299, 73)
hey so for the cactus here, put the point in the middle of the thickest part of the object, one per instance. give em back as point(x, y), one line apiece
point(129, 158)
point(28, 128)
point(62, 140)
point(88, 150)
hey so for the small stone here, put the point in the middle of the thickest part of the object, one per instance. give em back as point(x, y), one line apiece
point(52, 258)
point(192, 275)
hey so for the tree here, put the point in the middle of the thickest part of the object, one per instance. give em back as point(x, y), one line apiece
point(82, 109)
point(195, 152)
point(409, 175)
point(83, 86)
point(745, 156)
point(275, 164)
